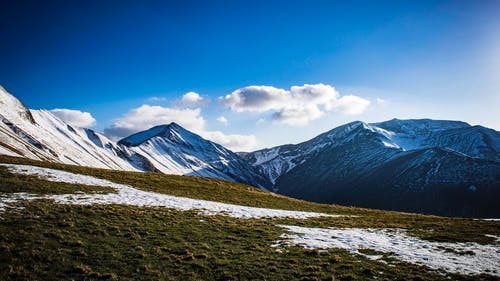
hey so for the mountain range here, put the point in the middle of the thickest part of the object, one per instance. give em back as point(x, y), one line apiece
point(428, 166)
point(40, 135)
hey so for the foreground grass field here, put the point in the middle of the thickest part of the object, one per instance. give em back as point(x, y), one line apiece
point(40, 240)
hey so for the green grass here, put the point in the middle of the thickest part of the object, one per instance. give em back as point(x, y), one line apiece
point(57, 242)
point(431, 228)
point(46, 241)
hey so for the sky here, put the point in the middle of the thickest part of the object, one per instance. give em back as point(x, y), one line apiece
point(252, 74)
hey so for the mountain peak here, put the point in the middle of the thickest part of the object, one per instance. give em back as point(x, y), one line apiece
point(169, 127)
point(174, 149)
point(175, 125)
point(343, 130)
point(143, 136)
point(173, 132)
point(12, 108)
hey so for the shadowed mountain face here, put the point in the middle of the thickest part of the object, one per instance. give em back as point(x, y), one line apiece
point(429, 166)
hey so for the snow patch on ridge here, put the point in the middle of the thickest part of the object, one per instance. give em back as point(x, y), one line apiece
point(128, 195)
point(463, 258)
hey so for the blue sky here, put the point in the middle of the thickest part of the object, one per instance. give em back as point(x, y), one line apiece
point(129, 63)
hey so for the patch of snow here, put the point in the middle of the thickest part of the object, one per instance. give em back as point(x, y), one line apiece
point(8, 152)
point(6, 200)
point(451, 257)
point(408, 142)
point(128, 195)
point(265, 155)
point(391, 145)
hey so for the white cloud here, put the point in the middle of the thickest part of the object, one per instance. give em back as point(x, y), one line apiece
point(233, 142)
point(222, 119)
point(74, 117)
point(350, 105)
point(315, 94)
point(380, 101)
point(147, 116)
point(192, 99)
point(298, 115)
point(256, 98)
point(297, 106)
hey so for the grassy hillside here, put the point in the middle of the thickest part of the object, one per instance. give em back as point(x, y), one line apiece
point(41, 240)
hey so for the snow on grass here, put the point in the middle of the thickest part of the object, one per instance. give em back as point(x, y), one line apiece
point(464, 258)
point(7, 200)
point(489, 219)
point(128, 195)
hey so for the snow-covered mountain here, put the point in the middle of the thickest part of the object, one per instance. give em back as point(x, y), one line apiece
point(40, 135)
point(175, 150)
point(475, 141)
point(442, 167)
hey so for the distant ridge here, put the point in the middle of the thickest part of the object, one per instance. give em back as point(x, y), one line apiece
point(429, 166)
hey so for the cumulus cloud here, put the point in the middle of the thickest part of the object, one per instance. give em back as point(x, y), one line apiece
point(297, 106)
point(315, 94)
point(298, 115)
point(222, 119)
point(147, 116)
point(74, 117)
point(256, 98)
point(192, 99)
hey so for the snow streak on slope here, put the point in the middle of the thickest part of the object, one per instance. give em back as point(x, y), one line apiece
point(464, 258)
point(128, 195)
